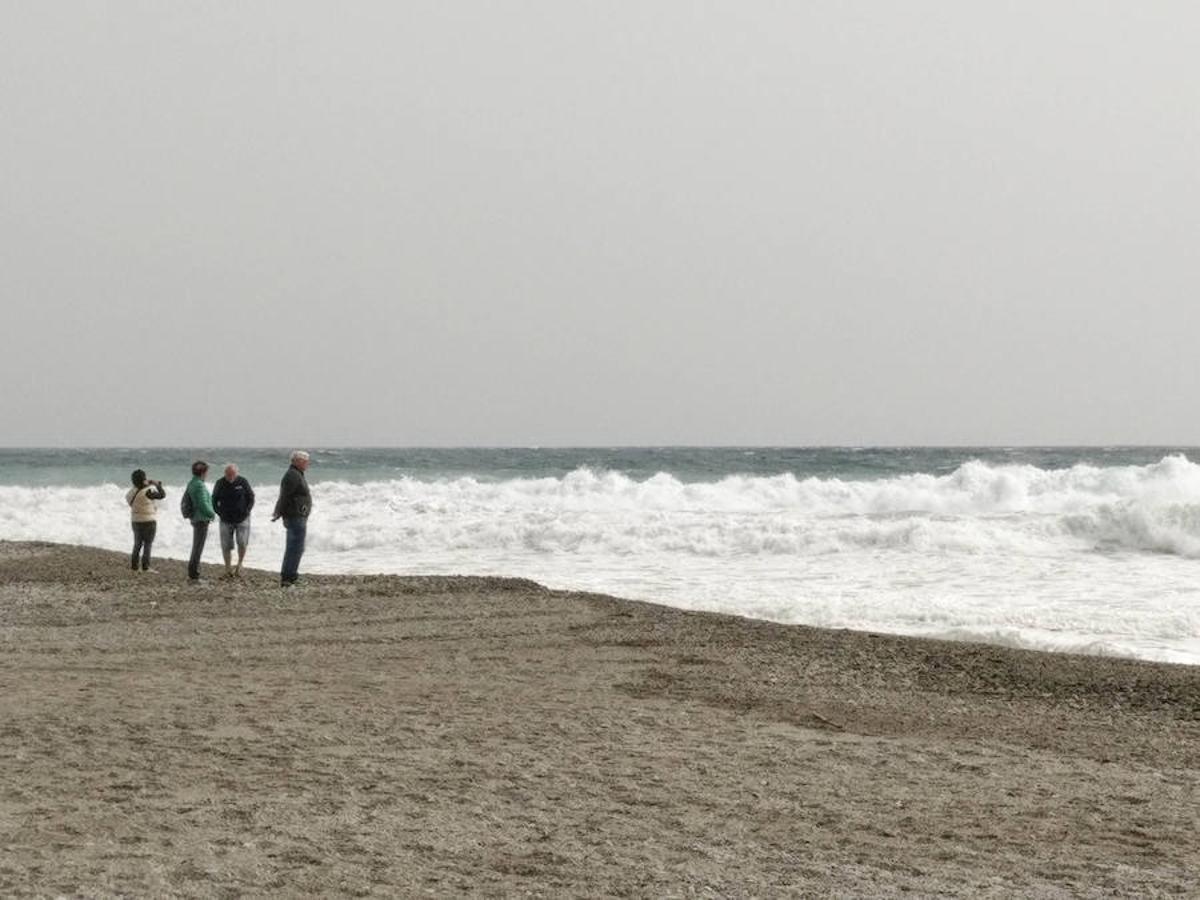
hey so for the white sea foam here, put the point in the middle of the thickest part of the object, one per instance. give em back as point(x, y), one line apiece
point(1088, 559)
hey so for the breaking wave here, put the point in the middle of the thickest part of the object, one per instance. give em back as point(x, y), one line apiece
point(975, 509)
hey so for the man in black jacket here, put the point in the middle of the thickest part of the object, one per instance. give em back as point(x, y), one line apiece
point(233, 498)
point(293, 506)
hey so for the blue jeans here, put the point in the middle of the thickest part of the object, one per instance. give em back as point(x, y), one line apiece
point(293, 550)
point(143, 537)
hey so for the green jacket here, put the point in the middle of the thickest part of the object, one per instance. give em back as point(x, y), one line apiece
point(201, 500)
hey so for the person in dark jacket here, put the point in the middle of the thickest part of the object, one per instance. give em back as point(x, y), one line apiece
point(233, 498)
point(293, 506)
point(143, 511)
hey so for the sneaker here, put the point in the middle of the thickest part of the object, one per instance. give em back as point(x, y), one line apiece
point(149, 571)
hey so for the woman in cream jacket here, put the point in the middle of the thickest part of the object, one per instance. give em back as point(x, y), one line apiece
point(143, 510)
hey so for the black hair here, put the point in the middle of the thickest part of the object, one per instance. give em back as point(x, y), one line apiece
point(138, 478)
point(199, 467)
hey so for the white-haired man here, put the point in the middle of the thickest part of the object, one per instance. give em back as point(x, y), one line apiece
point(293, 506)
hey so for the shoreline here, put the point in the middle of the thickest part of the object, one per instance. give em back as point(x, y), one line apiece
point(383, 734)
point(313, 576)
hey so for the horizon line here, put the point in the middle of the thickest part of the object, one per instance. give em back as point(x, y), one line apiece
point(653, 446)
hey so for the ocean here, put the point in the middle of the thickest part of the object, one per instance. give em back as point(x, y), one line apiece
point(1079, 549)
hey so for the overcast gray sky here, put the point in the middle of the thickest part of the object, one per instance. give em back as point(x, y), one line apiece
point(599, 222)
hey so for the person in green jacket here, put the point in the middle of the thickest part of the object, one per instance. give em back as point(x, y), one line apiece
point(202, 514)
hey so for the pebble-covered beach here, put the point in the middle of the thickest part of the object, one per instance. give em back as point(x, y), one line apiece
point(382, 735)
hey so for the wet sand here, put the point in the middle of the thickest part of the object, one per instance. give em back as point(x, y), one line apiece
point(446, 736)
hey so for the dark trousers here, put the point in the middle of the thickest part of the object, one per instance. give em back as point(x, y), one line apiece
point(199, 536)
point(143, 537)
point(294, 549)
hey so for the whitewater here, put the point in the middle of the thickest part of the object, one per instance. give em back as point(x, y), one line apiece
point(1101, 559)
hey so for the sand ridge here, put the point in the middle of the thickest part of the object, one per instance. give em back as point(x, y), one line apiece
point(388, 736)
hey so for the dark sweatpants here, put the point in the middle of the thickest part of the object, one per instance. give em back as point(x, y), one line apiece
point(199, 536)
point(143, 537)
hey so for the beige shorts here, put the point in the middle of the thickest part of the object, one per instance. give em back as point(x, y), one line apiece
point(241, 531)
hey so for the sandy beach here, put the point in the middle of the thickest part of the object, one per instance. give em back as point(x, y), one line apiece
point(442, 736)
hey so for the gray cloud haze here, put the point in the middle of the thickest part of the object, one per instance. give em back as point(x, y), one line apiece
point(599, 223)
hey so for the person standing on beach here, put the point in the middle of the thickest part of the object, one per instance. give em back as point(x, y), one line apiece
point(202, 514)
point(143, 511)
point(233, 498)
point(293, 506)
